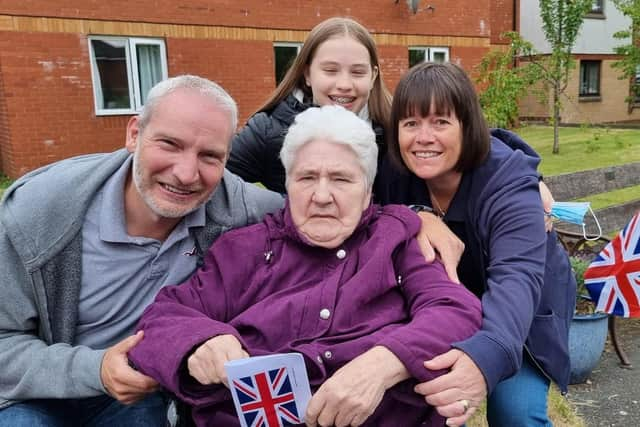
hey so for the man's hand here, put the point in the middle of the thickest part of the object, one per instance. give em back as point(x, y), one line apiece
point(120, 380)
point(206, 364)
point(354, 392)
point(435, 236)
point(547, 202)
point(457, 394)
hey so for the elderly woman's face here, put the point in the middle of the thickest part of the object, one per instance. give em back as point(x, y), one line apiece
point(327, 192)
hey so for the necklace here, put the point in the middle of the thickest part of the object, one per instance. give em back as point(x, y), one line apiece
point(438, 210)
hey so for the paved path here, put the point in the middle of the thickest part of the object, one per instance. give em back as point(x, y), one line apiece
point(611, 396)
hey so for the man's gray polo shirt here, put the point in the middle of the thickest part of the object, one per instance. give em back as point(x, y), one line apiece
point(121, 274)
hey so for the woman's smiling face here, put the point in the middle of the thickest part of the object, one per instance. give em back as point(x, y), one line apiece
point(430, 146)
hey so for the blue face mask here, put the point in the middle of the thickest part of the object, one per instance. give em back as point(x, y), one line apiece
point(574, 213)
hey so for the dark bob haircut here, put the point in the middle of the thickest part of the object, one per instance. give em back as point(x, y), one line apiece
point(447, 88)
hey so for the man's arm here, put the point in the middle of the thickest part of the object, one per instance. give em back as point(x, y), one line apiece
point(31, 368)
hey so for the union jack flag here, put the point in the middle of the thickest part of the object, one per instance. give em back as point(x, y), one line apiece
point(266, 399)
point(613, 278)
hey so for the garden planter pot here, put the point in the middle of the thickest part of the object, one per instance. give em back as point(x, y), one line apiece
point(587, 336)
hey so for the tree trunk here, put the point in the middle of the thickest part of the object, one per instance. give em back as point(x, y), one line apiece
point(556, 118)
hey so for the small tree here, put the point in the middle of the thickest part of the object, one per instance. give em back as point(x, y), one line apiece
point(561, 22)
point(630, 52)
point(504, 83)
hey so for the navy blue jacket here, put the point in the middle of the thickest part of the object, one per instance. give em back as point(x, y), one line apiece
point(527, 287)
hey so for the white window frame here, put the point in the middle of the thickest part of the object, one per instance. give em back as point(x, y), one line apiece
point(429, 52)
point(297, 45)
point(130, 44)
point(434, 50)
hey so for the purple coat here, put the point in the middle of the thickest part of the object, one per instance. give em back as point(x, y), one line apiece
point(275, 293)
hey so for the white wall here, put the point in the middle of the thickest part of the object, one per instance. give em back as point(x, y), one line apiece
point(596, 35)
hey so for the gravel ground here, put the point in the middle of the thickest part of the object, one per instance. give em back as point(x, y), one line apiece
point(611, 396)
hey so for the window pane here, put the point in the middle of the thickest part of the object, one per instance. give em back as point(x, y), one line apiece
point(439, 57)
point(596, 6)
point(284, 55)
point(111, 62)
point(416, 56)
point(593, 79)
point(589, 78)
point(149, 67)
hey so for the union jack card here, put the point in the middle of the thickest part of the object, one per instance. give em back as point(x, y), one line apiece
point(269, 391)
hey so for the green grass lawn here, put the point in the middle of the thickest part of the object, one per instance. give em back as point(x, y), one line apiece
point(583, 148)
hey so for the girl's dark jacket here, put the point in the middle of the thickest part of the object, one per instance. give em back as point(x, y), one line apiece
point(529, 289)
point(255, 150)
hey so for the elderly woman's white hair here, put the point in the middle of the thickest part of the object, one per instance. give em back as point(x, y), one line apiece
point(336, 125)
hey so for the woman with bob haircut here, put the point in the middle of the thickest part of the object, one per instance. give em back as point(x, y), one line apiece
point(331, 276)
point(484, 186)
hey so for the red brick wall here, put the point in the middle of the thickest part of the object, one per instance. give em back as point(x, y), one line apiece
point(49, 101)
point(468, 58)
point(4, 126)
point(503, 14)
point(47, 111)
point(394, 61)
point(460, 17)
point(244, 68)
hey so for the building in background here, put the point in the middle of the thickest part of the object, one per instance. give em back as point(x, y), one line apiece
point(72, 72)
point(594, 94)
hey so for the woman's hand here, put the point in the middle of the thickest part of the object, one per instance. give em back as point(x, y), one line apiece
point(435, 236)
point(206, 364)
point(354, 392)
point(457, 394)
point(547, 202)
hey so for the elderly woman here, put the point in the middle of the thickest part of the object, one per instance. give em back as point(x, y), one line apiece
point(331, 276)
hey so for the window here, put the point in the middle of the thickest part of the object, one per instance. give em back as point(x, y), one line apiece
point(636, 87)
point(123, 70)
point(284, 54)
point(427, 54)
point(589, 78)
point(597, 7)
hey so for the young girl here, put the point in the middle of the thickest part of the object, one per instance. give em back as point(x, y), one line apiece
point(338, 64)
